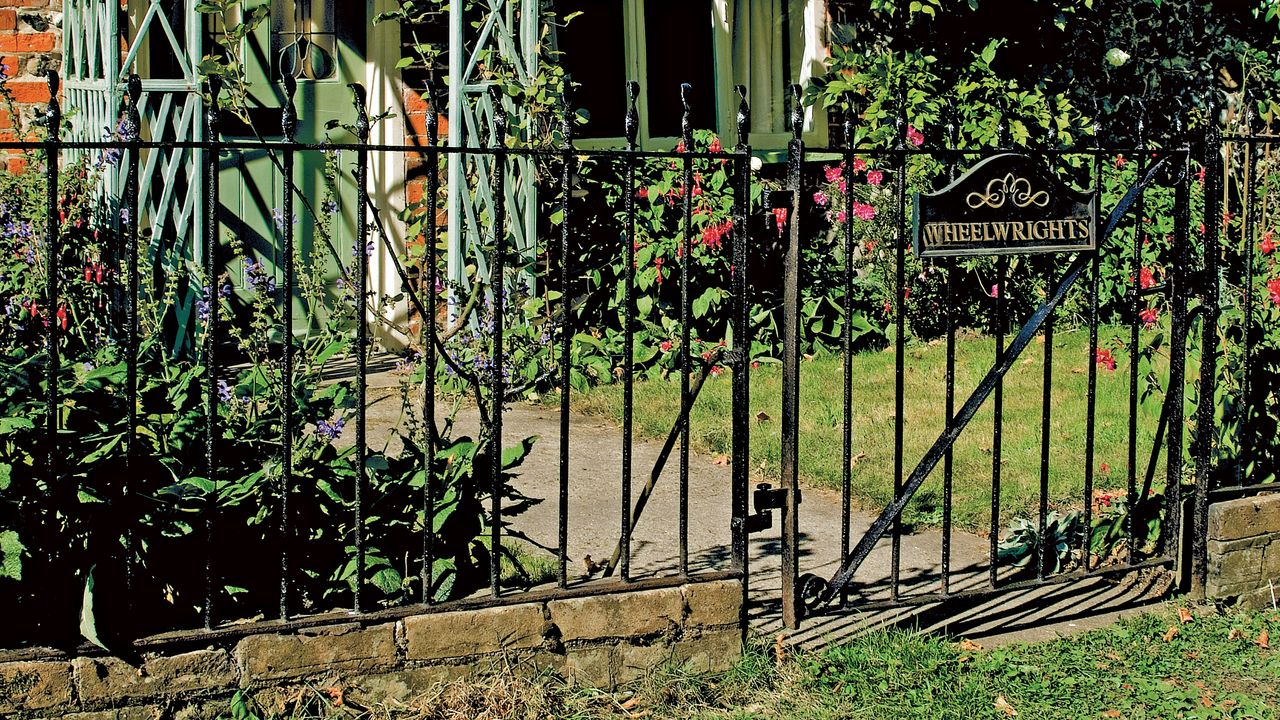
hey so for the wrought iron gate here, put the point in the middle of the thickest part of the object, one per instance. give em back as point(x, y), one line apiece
point(806, 591)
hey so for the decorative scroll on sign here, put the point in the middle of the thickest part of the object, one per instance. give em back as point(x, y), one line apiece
point(1005, 204)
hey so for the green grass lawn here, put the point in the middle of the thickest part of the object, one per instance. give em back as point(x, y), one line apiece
point(1151, 667)
point(657, 404)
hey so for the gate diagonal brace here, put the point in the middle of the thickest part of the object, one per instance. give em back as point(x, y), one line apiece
point(824, 592)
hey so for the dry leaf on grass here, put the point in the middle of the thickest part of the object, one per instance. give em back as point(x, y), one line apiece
point(1185, 615)
point(969, 646)
point(1262, 640)
point(1171, 633)
point(1003, 706)
point(1111, 714)
point(1235, 634)
point(763, 416)
point(720, 460)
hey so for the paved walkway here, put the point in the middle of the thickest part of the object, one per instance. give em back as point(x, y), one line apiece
point(595, 512)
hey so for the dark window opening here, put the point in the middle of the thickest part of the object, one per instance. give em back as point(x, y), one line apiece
point(594, 55)
point(678, 49)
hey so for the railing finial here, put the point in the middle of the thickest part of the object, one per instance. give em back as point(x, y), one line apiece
point(797, 111)
point(289, 121)
point(499, 117)
point(686, 119)
point(54, 114)
point(132, 129)
point(430, 94)
point(633, 115)
point(744, 117)
point(850, 113)
point(566, 119)
point(362, 114)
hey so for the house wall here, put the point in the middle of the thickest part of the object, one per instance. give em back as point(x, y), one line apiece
point(30, 45)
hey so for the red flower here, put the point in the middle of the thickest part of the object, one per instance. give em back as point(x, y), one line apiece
point(1120, 161)
point(1273, 289)
point(780, 215)
point(62, 316)
point(643, 193)
point(665, 346)
point(715, 371)
point(715, 146)
point(914, 137)
point(657, 263)
point(88, 273)
point(832, 172)
point(1200, 175)
point(875, 177)
point(1105, 360)
point(863, 211)
point(1149, 317)
point(888, 307)
point(1267, 244)
point(680, 147)
point(859, 165)
point(1104, 468)
point(1146, 278)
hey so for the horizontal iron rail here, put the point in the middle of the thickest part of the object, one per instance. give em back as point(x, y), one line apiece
point(947, 438)
point(988, 591)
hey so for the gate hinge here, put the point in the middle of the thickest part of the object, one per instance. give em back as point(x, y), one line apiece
point(766, 498)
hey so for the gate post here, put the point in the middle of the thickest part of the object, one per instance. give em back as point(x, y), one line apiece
point(1206, 406)
point(789, 466)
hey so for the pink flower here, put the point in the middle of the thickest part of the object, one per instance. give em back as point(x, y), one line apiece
point(914, 137)
point(665, 346)
point(875, 177)
point(841, 216)
point(1120, 161)
point(1149, 317)
point(844, 184)
point(859, 165)
point(780, 216)
point(1104, 359)
point(832, 172)
point(1273, 289)
point(995, 291)
point(820, 198)
point(863, 211)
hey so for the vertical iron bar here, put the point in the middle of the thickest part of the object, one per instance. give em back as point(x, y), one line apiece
point(950, 403)
point(741, 338)
point(788, 466)
point(211, 187)
point(289, 123)
point(1177, 361)
point(1245, 427)
point(632, 129)
point(686, 352)
point(566, 335)
point(1135, 307)
point(1206, 409)
point(53, 231)
point(1002, 272)
point(900, 341)
point(362, 336)
point(846, 472)
point(497, 286)
point(1091, 397)
point(133, 136)
point(1045, 430)
point(429, 343)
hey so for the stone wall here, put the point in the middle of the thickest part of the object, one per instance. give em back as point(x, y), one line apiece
point(601, 641)
point(1244, 550)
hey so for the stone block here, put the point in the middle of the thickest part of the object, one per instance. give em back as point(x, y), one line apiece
point(596, 666)
point(713, 604)
point(34, 685)
point(636, 662)
point(104, 680)
point(405, 685)
point(633, 614)
point(1242, 566)
point(344, 647)
point(474, 632)
point(1244, 517)
point(710, 652)
point(1271, 562)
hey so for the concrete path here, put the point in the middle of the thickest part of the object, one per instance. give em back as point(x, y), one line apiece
point(595, 512)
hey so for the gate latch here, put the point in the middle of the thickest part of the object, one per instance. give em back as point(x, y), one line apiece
point(766, 498)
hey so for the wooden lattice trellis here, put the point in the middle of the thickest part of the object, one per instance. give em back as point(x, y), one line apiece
point(101, 53)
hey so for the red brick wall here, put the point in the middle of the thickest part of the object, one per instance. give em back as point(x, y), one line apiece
point(30, 45)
